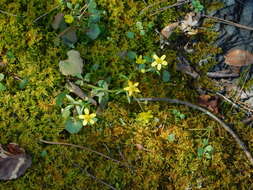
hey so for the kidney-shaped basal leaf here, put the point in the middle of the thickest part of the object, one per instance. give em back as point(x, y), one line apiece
point(73, 65)
point(73, 126)
point(93, 31)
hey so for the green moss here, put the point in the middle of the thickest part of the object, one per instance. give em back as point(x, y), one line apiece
point(28, 114)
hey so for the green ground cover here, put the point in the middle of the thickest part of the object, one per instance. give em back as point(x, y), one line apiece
point(183, 148)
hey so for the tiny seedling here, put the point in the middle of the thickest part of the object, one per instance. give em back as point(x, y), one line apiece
point(205, 150)
point(178, 115)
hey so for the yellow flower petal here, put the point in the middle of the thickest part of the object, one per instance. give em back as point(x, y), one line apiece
point(92, 121)
point(130, 83)
point(92, 115)
point(86, 111)
point(165, 63)
point(127, 88)
point(136, 84)
point(81, 116)
point(85, 122)
point(159, 66)
point(155, 57)
point(163, 57)
point(154, 64)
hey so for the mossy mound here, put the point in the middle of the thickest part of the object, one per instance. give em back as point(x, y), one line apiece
point(30, 113)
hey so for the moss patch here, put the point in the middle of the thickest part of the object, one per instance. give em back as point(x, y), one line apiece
point(28, 114)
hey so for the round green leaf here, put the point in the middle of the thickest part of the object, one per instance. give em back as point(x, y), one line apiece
point(1, 76)
point(2, 87)
point(73, 126)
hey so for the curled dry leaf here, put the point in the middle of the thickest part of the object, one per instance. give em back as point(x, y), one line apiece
point(73, 65)
point(79, 92)
point(13, 162)
point(238, 58)
point(184, 66)
point(167, 31)
point(210, 102)
point(189, 23)
point(58, 20)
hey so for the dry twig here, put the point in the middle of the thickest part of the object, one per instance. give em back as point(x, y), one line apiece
point(82, 147)
point(45, 14)
point(170, 6)
point(224, 125)
point(216, 19)
point(7, 13)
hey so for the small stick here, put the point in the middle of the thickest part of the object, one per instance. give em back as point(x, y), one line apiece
point(170, 6)
point(7, 13)
point(228, 22)
point(224, 125)
point(81, 147)
point(222, 75)
point(231, 102)
point(45, 14)
point(94, 177)
point(152, 5)
point(100, 181)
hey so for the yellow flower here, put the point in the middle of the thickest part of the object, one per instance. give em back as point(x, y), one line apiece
point(159, 62)
point(88, 118)
point(144, 117)
point(69, 19)
point(132, 88)
point(140, 60)
point(73, 1)
point(143, 71)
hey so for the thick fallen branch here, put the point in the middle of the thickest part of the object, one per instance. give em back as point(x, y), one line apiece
point(224, 125)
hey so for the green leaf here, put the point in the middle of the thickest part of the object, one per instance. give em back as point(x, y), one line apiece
point(171, 137)
point(66, 111)
point(200, 152)
point(72, 100)
point(94, 16)
point(93, 31)
point(208, 148)
point(2, 87)
point(130, 35)
point(43, 153)
point(142, 32)
point(139, 25)
point(10, 55)
point(95, 67)
point(92, 5)
point(181, 116)
point(205, 142)
point(131, 55)
point(73, 65)
point(73, 126)
point(166, 76)
point(103, 84)
point(59, 98)
point(87, 77)
point(23, 83)
point(69, 38)
point(69, 5)
point(1, 76)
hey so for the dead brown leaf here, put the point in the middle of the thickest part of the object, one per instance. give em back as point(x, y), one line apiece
point(209, 102)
